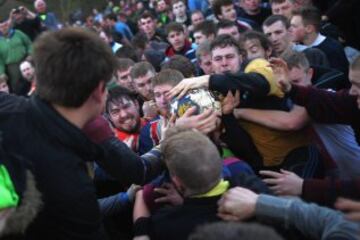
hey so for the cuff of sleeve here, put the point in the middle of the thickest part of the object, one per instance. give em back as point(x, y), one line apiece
point(141, 226)
point(272, 208)
point(124, 197)
point(215, 80)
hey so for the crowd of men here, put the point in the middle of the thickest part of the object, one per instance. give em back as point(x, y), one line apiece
point(91, 149)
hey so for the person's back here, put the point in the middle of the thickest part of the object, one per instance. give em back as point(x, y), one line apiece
point(46, 130)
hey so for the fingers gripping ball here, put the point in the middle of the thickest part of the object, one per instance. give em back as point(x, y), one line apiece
point(200, 98)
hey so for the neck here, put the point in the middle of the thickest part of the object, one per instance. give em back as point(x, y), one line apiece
point(253, 12)
point(310, 38)
point(73, 115)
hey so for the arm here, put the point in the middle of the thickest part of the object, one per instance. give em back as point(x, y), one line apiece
point(294, 120)
point(325, 191)
point(141, 218)
point(325, 106)
point(310, 219)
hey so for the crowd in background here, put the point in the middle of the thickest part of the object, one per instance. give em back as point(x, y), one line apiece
point(198, 119)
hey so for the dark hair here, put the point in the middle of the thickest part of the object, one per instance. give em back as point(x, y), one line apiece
point(279, 1)
point(127, 52)
point(70, 64)
point(182, 64)
point(147, 14)
point(225, 40)
point(176, 1)
point(206, 27)
point(310, 16)
point(167, 76)
point(225, 24)
point(263, 39)
point(3, 78)
point(111, 16)
point(140, 40)
point(218, 4)
point(173, 27)
point(117, 93)
point(275, 18)
point(234, 231)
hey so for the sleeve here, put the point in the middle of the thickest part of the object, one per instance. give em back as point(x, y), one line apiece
point(310, 219)
point(114, 204)
point(326, 191)
point(240, 142)
point(251, 85)
point(145, 141)
point(27, 42)
point(326, 106)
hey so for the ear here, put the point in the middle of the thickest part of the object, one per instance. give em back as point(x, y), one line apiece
point(177, 182)
point(309, 28)
point(99, 92)
point(310, 72)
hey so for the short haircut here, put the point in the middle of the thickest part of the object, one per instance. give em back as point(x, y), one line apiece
point(141, 69)
point(225, 24)
point(176, 1)
point(225, 40)
point(127, 52)
point(167, 76)
point(310, 16)
point(173, 27)
point(218, 4)
point(295, 59)
point(3, 78)
point(123, 64)
point(70, 64)
point(280, 1)
point(117, 93)
point(147, 14)
point(234, 231)
point(182, 64)
point(111, 16)
point(275, 18)
point(140, 40)
point(263, 39)
point(355, 64)
point(193, 158)
point(203, 49)
point(196, 12)
point(206, 27)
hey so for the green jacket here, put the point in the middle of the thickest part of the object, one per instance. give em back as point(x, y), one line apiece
point(14, 48)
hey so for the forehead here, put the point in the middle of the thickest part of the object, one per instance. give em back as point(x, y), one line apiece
point(197, 15)
point(145, 77)
point(178, 4)
point(277, 5)
point(220, 51)
point(252, 42)
point(162, 88)
point(172, 33)
point(296, 72)
point(25, 65)
point(276, 26)
point(121, 101)
point(228, 30)
point(296, 19)
point(146, 20)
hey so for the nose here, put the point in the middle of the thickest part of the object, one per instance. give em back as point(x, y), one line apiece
point(224, 62)
point(122, 113)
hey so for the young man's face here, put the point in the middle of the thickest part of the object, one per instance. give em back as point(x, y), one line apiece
point(161, 6)
point(228, 12)
point(232, 31)
point(297, 29)
point(40, 7)
point(27, 71)
point(124, 79)
point(205, 64)
point(250, 6)
point(300, 76)
point(124, 114)
point(162, 102)
point(226, 59)
point(177, 40)
point(143, 85)
point(179, 9)
point(278, 35)
point(354, 76)
point(285, 8)
point(148, 26)
point(254, 49)
point(197, 18)
point(4, 87)
point(199, 38)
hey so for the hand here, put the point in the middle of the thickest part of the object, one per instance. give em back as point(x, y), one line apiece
point(230, 102)
point(187, 84)
point(166, 124)
point(283, 183)
point(150, 110)
point(205, 122)
point(132, 191)
point(171, 195)
point(237, 204)
point(352, 208)
point(281, 73)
